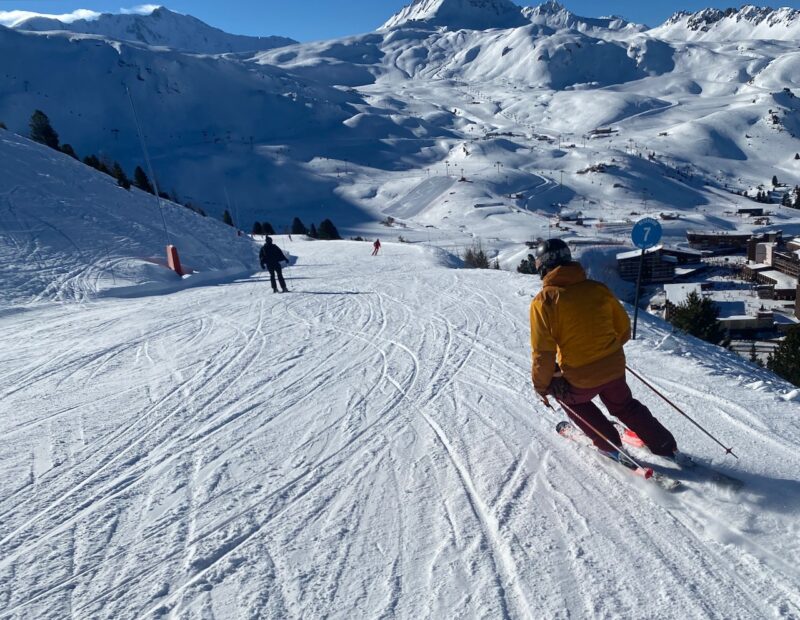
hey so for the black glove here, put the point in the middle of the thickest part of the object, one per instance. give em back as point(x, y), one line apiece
point(559, 388)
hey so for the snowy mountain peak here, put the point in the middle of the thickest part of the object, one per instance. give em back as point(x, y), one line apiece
point(158, 27)
point(748, 22)
point(460, 14)
point(548, 8)
point(553, 14)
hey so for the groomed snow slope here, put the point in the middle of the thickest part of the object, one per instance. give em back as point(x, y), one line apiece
point(367, 446)
point(68, 232)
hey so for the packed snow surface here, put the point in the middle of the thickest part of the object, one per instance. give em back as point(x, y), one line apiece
point(368, 445)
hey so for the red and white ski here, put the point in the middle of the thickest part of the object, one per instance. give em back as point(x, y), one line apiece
point(570, 431)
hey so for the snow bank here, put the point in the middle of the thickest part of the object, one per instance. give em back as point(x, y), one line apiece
point(69, 232)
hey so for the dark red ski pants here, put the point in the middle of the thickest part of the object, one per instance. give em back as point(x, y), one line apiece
point(619, 401)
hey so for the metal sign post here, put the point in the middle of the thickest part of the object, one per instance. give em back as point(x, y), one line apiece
point(645, 235)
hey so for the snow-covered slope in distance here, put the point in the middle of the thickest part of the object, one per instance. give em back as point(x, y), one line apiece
point(68, 233)
point(204, 117)
point(368, 445)
point(162, 28)
point(556, 16)
point(352, 128)
point(747, 23)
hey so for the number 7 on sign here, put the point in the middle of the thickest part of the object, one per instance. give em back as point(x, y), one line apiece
point(646, 233)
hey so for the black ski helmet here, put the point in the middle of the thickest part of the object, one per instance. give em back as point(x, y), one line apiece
point(551, 254)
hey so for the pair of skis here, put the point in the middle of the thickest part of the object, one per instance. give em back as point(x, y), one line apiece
point(647, 472)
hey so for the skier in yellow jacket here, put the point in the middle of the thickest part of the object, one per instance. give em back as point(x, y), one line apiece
point(578, 329)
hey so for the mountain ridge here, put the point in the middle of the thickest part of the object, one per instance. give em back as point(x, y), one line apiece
point(163, 28)
point(747, 22)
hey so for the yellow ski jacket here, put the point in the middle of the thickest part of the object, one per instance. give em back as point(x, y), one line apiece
point(580, 324)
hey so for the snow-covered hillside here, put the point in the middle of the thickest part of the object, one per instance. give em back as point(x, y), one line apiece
point(211, 123)
point(68, 233)
point(158, 27)
point(366, 446)
point(556, 16)
point(346, 128)
point(748, 22)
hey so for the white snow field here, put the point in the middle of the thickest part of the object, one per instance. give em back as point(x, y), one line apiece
point(367, 446)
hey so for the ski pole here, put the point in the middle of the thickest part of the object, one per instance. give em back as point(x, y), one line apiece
point(570, 411)
point(679, 410)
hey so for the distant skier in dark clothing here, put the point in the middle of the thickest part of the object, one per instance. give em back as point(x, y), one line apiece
point(376, 247)
point(271, 258)
point(578, 330)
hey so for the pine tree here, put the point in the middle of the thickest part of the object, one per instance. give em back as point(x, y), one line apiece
point(774, 181)
point(785, 360)
point(257, 229)
point(475, 257)
point(119, 174)
point(42, 131)
point(797, 155)
point(68, 150)
point(92, 161)
point(786, 201)
point(327, 230)
point(526, 266)
point(298, 228)
point(267, 228)
point(753, 353)
point(141, 181)
point(312, 232)
point(226, 217)
point(698, 316)
point(96, 163)
point(797, 200)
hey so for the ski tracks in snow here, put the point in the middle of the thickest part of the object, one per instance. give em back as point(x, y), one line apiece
point(360, 448)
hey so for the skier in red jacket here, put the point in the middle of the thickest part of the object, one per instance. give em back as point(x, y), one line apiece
point(376, 247)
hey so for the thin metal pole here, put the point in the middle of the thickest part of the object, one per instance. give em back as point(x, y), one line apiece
point(638, 294)
point(228, 202)
point(679, 410)
point(148, 164)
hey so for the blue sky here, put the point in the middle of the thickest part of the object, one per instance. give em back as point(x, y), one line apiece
point(308, 20)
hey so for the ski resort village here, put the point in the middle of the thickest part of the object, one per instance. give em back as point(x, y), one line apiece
point(481, 311)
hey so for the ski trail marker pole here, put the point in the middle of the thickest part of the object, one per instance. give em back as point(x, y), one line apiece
point(683, 413)
point(645, 235)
